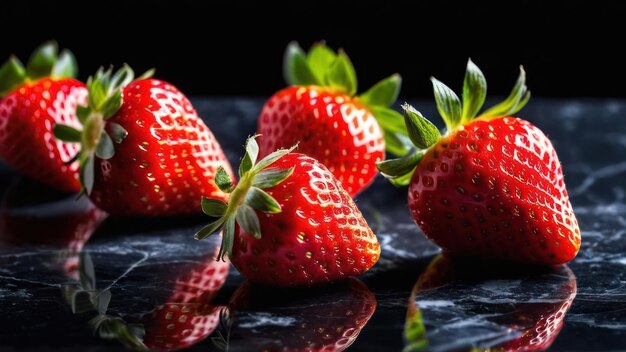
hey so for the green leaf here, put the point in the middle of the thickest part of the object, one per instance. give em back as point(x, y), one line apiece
point(448, 104)
point(396, 134)
point(271, 177)
point(272, 157)
point(474, 91)
point(149, 73)
point(12, 74)
point(98, 87)
point(252, 148)
point(65, 66)
point(82, 112)
point(223, 180)
point(214, 207)
point(422, 132)
point(117, 132)
point(122, 77)
point(105, 87)
point(341, 75)
point(87, 173)
point(228, 238)
point(245, 165)
point(249, 159)
point(402, 181)
point(383, 93)
point(209, 229)
point(66, 133)
point(248, 220)
point(396, 143)
point(112, 104)
point(393, 168)
point(319, 59)
point(514, 102)
point(296, 70)
point(42, 61)
point(105, 149)
point(389, 120)
point(259, 200)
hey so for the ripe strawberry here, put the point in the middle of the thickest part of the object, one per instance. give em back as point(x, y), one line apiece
point(186, 317)
point(491, 186)
point(332, 322)
point(165, 155)
point(32, 100)
point(347, 133)
point(537, 323)
point(313, 231)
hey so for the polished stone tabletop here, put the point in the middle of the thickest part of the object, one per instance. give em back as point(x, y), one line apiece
point(72, 280)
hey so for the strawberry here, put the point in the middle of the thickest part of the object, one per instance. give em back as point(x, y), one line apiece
point(534, 325)
point(347, 133)
point(492, 186)
point(332, 322)
point(186, 316)
point(32, 100)
point(144, 150)
point(313, 231)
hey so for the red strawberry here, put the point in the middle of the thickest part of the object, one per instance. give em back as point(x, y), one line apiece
point(32, 100)
point(186, 317)
point(537, 323)
point(491, 186)
point(331, 322)
point(51, 219)
point(165, 157)
point(347, 133)
point(312, 230)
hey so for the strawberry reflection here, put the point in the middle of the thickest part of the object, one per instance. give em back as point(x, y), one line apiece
point(327, 318)
point(183, 316)
point(36, 215)
point(501, 307)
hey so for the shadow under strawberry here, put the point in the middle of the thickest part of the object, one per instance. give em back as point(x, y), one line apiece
point(504, 307)
point(321, 318)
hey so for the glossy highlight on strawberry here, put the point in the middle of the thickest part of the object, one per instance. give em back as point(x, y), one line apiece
point(289, 222)
point(321, 112)
point(491, 186)
point(144, 149)
point(32, 100)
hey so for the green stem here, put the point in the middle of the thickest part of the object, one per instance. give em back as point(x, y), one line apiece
point(238, 195)
point(93, 127)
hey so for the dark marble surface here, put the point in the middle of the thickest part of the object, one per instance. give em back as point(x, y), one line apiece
point(137, 270)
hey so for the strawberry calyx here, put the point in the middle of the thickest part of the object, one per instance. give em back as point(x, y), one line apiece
point(322, 67)
point(246, 197)
point(97, 137)
point(423, 134)
point(45, 61)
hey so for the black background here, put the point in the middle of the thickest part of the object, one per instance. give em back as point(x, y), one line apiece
point(569, 48)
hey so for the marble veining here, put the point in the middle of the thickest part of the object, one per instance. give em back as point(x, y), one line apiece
point(58, 255)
